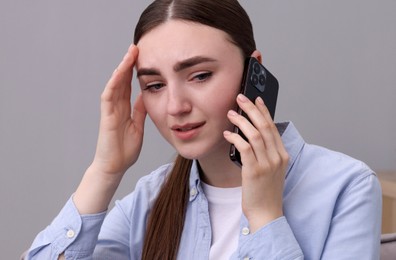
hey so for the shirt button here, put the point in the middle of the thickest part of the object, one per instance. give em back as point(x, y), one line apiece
point(193, 192)
point(245, 231)
point(70, 233)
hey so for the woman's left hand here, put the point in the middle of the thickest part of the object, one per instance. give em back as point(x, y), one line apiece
point(264, 160)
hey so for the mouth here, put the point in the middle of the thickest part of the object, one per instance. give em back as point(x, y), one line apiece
point(187, 127)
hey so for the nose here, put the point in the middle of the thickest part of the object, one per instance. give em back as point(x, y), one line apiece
point(178, 101)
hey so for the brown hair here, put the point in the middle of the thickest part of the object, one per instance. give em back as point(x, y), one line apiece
point(166, 220)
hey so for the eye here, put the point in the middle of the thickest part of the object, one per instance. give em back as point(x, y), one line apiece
point(202, 76)
point(154, 87)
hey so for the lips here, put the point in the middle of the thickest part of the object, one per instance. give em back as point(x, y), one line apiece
point(187, 127)
point(187, 131)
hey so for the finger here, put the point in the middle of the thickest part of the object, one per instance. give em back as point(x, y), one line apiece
point(277, 140)
point(129, 60)
point(266, 143)
point(255, 140)
point(260, 121)
point(139, 112)
point(119, 84)
point(265, 125)
point(247, 155)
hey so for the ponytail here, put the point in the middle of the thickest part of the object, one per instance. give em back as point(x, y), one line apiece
point(166, 220)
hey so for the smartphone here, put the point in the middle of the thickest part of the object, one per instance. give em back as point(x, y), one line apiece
point(256, 81)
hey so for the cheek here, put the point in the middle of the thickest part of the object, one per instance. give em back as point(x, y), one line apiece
point(225, 96)
point(153, 109)
point(218, 105)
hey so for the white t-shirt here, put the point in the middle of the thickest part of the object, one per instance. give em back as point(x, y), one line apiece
point(225, 211)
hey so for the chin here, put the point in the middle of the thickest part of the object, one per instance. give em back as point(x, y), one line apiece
point(193, 152)
point(190, 155)
point(197, 153)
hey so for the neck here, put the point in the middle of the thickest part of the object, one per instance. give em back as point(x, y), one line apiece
point(220, 171)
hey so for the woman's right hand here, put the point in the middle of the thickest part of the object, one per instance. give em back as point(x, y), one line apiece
point(119, 142)
point(121, 128)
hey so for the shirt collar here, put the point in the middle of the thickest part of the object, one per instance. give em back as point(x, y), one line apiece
point(292, 140)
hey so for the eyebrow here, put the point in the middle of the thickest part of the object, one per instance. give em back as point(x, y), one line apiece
point(181, 65)
point(147, 72)
point(190, 62)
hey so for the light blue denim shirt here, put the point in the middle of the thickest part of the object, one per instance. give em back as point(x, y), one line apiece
point(332, 210)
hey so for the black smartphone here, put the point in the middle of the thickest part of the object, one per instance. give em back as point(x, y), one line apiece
point(256, 81)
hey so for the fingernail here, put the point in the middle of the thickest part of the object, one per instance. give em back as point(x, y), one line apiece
point(260, 100)
point(226, 133)
point(242, 98)
point(232, 113)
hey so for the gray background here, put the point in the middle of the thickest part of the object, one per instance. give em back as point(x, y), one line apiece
point(335, 60)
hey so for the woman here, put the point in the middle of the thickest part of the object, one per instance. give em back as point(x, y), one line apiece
point(289, 200)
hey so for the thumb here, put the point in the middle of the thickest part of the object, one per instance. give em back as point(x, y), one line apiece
point(139, 113)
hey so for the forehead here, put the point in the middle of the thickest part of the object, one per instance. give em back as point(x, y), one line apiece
point(177, 40)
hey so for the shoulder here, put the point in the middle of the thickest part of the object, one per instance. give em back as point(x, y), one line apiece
point(327, 171)
point(156, 175)
point(333, 163)
point(146, 190)
point(315, 169)
point(152, 182)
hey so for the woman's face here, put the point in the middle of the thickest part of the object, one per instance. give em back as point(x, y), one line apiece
point(190, 75)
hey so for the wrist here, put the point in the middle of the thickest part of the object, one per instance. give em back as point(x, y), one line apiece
point(259, 220)
point(96, 190)
point(104, 172)
point(108, 169)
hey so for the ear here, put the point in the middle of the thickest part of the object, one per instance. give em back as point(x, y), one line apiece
point(257, 54)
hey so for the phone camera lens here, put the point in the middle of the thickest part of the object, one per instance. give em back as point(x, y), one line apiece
point(262, 79)
point(256, 68)
point(255, 79)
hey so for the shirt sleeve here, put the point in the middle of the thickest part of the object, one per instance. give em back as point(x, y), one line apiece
point(273, 241)
point(74, 234)
point(354, 230)
point(356, 224)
